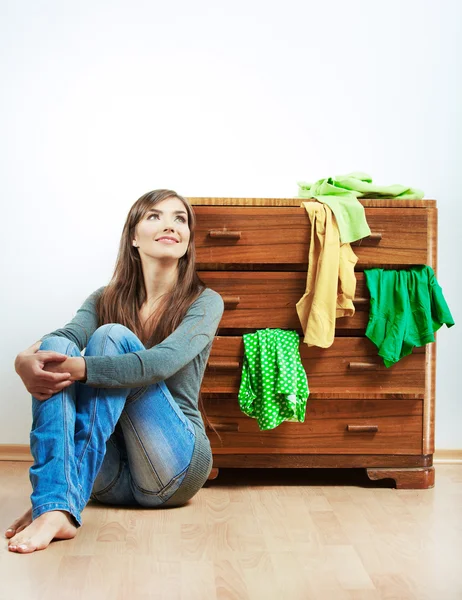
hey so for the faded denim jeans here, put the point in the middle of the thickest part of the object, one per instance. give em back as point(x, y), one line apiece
point(126, 446)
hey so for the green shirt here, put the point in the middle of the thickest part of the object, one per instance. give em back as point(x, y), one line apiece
point(407, 307)
point(274, 387)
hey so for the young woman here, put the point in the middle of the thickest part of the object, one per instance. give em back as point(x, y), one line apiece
point(121, 424)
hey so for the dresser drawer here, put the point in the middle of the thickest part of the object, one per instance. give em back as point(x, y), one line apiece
point(257, 299)
point(349, 367)
point(229, 236)
point(331, 426)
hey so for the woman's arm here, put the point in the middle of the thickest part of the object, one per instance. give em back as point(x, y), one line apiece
point(136, 369)
point(84, 323)
point(44, 372)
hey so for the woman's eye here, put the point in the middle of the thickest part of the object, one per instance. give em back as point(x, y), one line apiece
point(156, 217)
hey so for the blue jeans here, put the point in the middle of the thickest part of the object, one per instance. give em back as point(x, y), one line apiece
point(127, 446)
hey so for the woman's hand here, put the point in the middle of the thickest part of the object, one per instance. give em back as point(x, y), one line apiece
point(30, 366)
point(75, 365)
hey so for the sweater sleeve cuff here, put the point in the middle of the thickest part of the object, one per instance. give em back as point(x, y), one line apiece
point(100, 372)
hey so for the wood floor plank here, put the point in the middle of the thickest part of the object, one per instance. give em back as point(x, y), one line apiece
point(329, 528)
point(251, 535)
point(229, 580)
point(348, 568)
point(259, 575)
point(198, 580)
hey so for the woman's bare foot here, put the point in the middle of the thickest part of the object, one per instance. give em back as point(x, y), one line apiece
point(56, 524)
point(19, 524)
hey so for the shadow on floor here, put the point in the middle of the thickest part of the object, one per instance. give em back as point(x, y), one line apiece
point(288, 477)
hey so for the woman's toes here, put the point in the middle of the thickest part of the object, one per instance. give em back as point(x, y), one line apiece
point(12, 529)
point(22, 547)
point(26, 548)
point(18, 543)
point(19, 524)
point(13, 546)
point(16, 540)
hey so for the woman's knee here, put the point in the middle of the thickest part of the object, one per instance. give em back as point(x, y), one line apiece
point(59, 344)
point(112, 338)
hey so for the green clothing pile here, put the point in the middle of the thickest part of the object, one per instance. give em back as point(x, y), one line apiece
point(340, 193)
point(274, 387)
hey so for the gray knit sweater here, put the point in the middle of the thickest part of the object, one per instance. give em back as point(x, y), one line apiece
point(179, 361)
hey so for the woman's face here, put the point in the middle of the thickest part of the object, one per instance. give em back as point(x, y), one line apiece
point(163, 232)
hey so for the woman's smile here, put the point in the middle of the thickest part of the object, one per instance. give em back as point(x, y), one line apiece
point(167, 240)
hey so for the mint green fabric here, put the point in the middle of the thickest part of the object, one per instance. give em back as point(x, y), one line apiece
point(341, 194)
point(407, 307)
point(274, 387)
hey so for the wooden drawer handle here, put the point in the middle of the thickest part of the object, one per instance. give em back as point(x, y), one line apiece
point(231, 300)
point(223, 427)
point(361, 301)
point(224, 234)
point(363, 428)
point(363, 366)
point(225, 365)
point(375, 238)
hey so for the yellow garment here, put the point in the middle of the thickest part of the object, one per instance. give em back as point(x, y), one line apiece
point(330, 282)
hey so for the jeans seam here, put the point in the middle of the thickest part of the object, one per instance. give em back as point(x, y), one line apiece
point(66, 453)
point(93, 416)
point(68, 506)
point(109, 487)
point(137, 395)
point(185, 425)
point(167, 485)
point(90, 432)
point(53, 506)
point(66, 448)
point(140, 444)
point(145, 389)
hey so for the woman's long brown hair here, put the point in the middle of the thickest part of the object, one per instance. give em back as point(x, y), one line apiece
point(125, 294)
point(123, 297)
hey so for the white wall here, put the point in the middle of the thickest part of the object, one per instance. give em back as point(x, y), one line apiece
point(104, 100)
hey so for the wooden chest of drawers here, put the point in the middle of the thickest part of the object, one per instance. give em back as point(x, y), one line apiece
point(359, 414)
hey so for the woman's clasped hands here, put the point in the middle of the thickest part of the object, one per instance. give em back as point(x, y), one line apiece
point(43, 372)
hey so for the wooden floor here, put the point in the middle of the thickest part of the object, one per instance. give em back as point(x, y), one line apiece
point(282, 534)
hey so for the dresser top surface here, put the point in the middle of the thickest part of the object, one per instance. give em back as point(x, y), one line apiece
point(287, 202)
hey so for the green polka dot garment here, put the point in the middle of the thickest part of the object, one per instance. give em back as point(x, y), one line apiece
point(274, 387)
